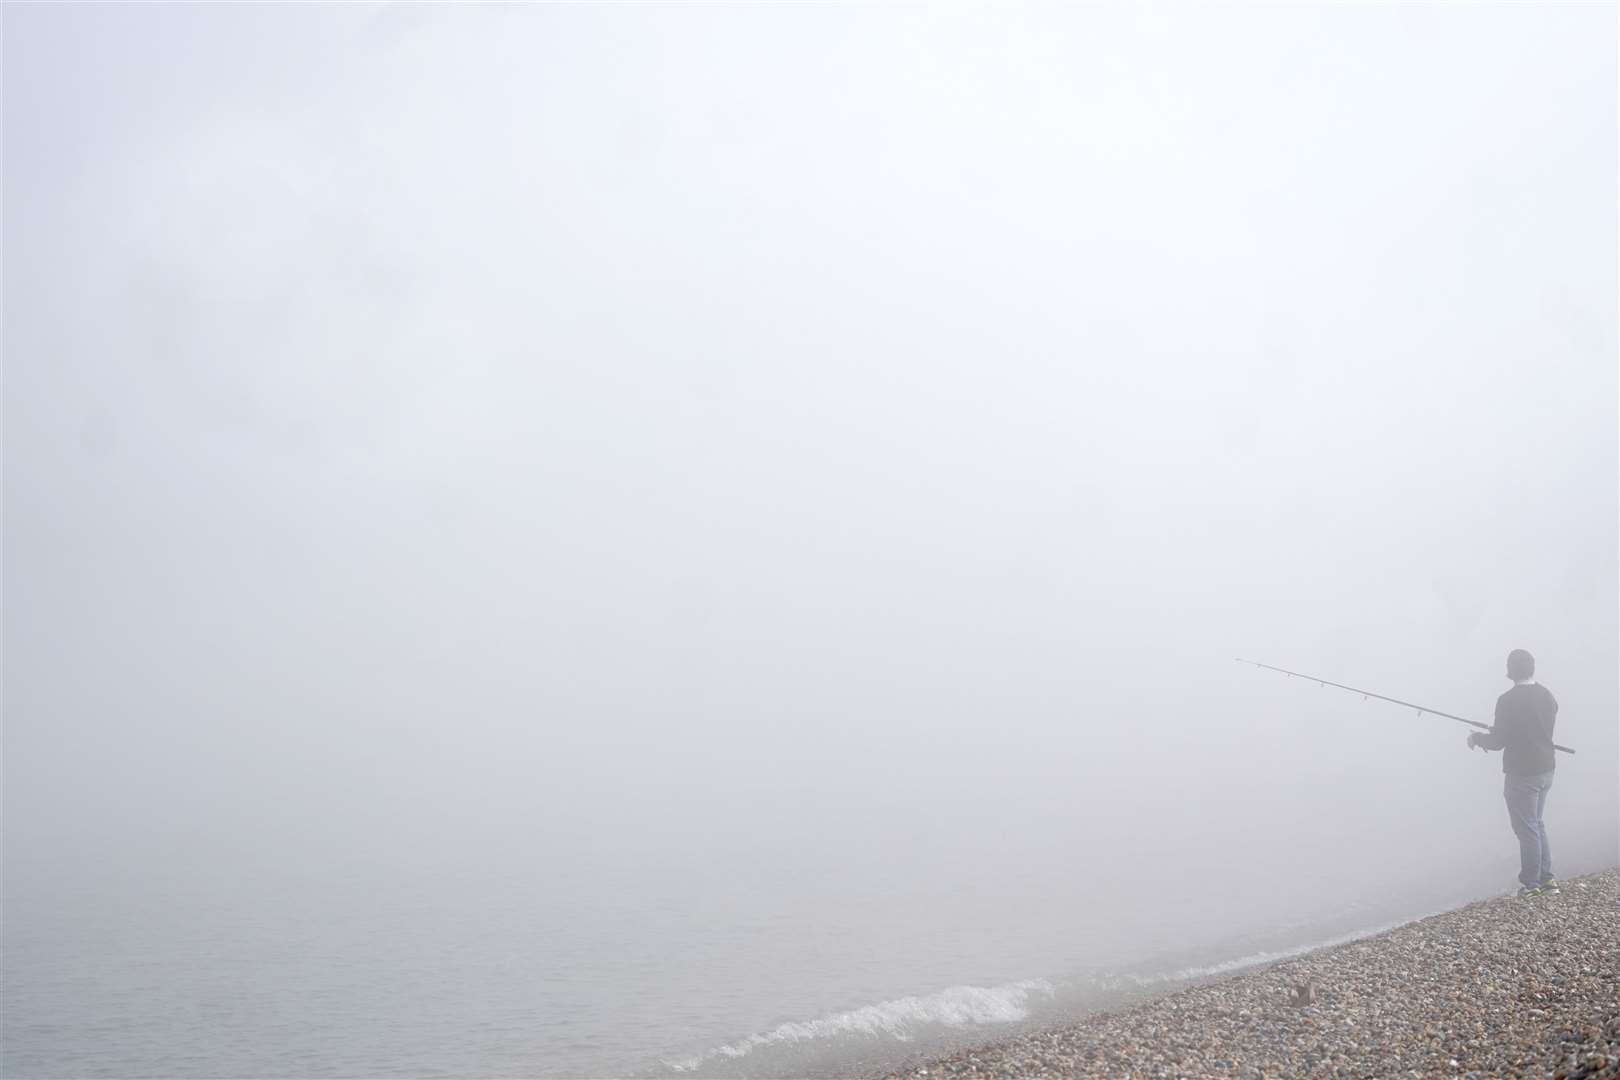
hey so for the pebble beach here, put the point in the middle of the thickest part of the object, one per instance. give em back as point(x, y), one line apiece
point(1507, 987)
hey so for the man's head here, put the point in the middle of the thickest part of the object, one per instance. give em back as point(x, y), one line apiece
point(1520, 665)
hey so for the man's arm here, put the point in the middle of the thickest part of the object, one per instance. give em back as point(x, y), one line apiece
point(1493, 739)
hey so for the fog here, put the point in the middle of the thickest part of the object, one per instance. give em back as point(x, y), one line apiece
point(852, 440)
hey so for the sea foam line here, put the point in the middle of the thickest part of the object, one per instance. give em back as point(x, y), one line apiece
point(1256, 959)
point(962, 1005)
point(953, 1007)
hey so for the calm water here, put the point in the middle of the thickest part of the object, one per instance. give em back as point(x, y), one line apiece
point(504, 961)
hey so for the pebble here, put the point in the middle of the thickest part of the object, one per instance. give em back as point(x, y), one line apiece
point(1504, 987)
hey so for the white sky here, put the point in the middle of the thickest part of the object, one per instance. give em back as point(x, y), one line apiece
point(453, 412)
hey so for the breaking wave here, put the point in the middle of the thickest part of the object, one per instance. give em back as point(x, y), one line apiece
point(931, 1017)
point(899, 1019)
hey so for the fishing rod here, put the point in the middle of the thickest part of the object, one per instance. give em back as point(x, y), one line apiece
point(1365, 694)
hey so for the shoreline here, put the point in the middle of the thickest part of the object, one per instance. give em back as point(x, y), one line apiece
point(1500, 987)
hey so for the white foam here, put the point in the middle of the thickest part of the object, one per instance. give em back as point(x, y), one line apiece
point(1256, 959)
point(957, 1006)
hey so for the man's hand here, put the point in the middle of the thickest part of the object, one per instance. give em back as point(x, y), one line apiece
point(1473, 741)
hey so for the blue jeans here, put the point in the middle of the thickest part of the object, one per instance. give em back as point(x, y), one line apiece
point(1526, 796)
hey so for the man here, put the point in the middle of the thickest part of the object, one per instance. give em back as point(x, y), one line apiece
point(1523, 731)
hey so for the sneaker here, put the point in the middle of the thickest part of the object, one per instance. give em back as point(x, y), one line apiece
point(1526, 892)
point(1550, 887)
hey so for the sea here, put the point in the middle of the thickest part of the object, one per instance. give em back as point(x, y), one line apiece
point(711, 957)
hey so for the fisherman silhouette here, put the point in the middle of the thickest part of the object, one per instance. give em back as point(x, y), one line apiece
point(1523, 731)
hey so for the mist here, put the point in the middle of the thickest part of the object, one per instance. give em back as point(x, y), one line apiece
point(805, 462)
